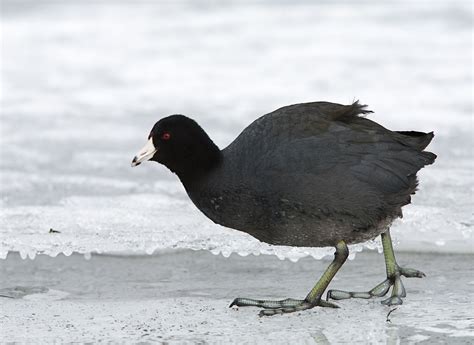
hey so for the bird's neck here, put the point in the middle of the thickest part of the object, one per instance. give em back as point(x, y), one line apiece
point(199, 165)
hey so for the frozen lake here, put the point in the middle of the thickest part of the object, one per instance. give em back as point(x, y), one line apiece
point(83, 82)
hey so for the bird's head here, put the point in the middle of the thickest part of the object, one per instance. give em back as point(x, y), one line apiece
point(180, 144)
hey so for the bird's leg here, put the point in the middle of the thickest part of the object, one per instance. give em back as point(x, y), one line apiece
point(394, 272)
point(313, 298)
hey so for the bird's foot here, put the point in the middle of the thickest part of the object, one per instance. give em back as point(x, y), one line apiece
point(313, 299)
point(288, 305)
point(398, 290)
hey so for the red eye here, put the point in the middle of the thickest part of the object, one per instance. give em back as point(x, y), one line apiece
point(166, 136)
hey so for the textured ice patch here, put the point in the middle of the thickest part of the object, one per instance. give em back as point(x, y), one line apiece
point(33, 293)
point(145, 223)
point(132, 224)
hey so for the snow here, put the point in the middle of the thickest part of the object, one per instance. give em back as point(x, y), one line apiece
point(82, 84)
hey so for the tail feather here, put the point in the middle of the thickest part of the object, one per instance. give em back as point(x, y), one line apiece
point(418, 140)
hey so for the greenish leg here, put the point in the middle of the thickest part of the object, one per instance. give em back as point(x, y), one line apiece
point(313, 298)
point(394, 272)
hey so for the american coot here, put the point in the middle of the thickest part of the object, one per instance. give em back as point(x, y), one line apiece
point(313, 175)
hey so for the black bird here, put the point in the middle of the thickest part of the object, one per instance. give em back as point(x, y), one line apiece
point(313, 174)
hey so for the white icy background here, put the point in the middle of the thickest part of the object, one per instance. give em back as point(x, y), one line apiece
point(83, 83)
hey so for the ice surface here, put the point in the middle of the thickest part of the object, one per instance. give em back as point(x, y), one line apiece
point(183, 298)
point(82, 84)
